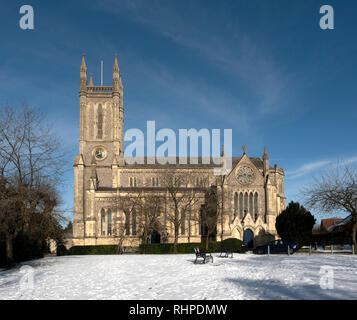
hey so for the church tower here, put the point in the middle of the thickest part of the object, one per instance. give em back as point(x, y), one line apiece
point(101, 113)
point(101, 143)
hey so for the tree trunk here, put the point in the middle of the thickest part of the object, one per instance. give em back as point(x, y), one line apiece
point(175, 243)
point(207, 241)
point(176, 238)
point(222, 222)
point(222, 208)
point(354, 230)
point(9, 250)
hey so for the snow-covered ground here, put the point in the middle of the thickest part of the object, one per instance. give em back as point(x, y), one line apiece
point(246, 276)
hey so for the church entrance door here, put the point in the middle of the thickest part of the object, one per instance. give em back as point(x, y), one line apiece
point(155, 237)
point(248, 238)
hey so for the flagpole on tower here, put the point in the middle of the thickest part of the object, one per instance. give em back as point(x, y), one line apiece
point(101, 73)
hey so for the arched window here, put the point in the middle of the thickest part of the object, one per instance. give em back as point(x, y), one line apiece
point(109, 225)
point(102, 213)
point(183, 217)
point(127, 223)
point(133, 225)
point(251, 203)
point(241, 205)
point(100, 122)
point(235, 204)
point(256, 204)
point(245, 203)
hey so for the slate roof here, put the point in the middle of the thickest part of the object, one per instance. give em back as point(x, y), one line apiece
point(201, 163)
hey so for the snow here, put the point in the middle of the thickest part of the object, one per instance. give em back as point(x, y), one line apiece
point(246, 276)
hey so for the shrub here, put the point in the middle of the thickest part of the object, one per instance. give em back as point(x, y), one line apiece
point(233, 244)
point(62, 250)
point(24, 248)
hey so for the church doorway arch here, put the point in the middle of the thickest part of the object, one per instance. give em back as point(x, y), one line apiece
point(248, 238)
point(155, 237)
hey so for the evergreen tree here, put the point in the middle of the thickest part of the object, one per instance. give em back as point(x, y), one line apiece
point(295, 223)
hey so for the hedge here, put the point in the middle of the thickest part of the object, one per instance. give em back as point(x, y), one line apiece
point(231, 244)
point(89, 250)
point(168, 248)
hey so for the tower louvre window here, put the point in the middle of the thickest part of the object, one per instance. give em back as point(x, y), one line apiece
point(100, 122)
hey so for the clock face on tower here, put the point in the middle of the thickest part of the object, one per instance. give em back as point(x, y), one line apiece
point(245, 175)
point(100, 153)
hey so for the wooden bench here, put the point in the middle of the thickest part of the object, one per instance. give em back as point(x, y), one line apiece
point(225, 252)
point(203, 254)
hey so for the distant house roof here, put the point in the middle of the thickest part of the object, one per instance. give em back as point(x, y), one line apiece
point(328, 223)
point(344, 224)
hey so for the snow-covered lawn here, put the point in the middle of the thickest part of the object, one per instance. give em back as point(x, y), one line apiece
point(246, 276)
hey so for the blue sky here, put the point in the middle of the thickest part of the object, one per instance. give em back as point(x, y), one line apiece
point(262, 68)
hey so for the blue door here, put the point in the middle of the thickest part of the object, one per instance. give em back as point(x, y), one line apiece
point(248, 238)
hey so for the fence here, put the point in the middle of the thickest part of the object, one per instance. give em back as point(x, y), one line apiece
point(329, 249)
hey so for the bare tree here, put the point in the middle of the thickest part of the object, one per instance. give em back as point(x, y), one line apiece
point(183, 194)
point(143, 206)
point(210, 215)
point(31, 168)
point(335, 189)
point(126, 206)
point(119, 233)
point(220, 181)
point(149, 216)
point(223, 216)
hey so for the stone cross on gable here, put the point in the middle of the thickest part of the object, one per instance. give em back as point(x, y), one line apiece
point(244, 149)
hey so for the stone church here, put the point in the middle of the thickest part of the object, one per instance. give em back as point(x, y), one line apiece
point(252, 192)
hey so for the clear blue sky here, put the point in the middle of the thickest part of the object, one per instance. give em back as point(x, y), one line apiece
point(262, 68)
